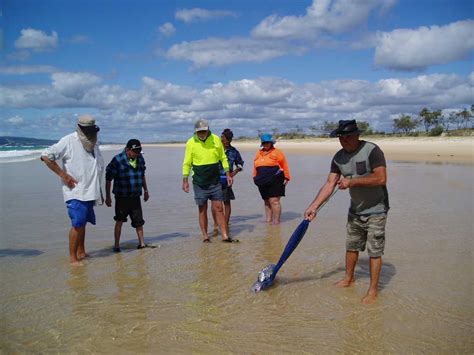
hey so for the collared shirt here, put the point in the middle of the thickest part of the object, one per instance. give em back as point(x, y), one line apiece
point(204, 157)
point(234, 158)
point(128, 181)
point(86, 168)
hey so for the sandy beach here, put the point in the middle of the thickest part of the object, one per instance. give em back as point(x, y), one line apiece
point(458, 150)
point(186, 296)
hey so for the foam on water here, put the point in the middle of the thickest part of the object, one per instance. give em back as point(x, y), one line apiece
point(21, 154)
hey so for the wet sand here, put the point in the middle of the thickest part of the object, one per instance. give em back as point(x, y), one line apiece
point(187, 296)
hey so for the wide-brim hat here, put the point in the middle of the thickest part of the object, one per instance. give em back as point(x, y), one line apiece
point(346, 128)
point(87, 123)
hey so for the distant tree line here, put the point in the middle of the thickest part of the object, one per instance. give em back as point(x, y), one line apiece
point(434, 123)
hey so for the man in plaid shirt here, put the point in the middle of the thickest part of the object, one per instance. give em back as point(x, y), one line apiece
point(127, 170)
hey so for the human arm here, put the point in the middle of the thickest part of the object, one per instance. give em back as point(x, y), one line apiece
point(224, 162)
point(378, 177)
point(187, 163)
point(68, 180)
point(146, 196)
point(239, 163)
point(108, 199)
point(284, 166)
point(322, 196)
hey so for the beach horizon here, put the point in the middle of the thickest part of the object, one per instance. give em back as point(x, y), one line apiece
point(448, 149)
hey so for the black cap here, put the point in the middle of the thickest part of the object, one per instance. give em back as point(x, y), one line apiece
point(346, 127)
point(134, 144)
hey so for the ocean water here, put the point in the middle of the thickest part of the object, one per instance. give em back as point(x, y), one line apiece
point(186, 296)
point(29, 152)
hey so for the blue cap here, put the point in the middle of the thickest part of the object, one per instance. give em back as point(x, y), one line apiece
point(266, 138)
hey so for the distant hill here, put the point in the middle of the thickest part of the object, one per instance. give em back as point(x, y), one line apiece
point(24, 141)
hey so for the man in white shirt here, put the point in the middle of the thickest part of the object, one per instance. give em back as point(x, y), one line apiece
point(81, 172)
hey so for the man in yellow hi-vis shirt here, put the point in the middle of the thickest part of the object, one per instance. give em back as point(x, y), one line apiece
point(204, 151)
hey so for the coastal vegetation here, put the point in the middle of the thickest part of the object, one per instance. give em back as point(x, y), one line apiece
point(427, 123)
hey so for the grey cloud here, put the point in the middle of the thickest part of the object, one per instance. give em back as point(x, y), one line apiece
point(165, 110)
point(74, 85)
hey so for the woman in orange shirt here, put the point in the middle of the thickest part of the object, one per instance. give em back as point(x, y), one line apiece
point(271, 174)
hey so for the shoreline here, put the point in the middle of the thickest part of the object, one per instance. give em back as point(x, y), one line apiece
point(457, 150)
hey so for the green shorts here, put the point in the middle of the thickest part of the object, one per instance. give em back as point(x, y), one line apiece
point(370, 230)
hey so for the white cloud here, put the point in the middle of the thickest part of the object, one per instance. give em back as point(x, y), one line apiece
point(27, 69)
point(196, 14)
point(167, 29)
point(36, 40)
point(406, 49)
point(245, 105)
point(225, 51)
point(15, 120)
point(323, 16)
point(74, 85)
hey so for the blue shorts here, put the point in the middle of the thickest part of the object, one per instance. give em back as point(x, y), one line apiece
point(80, 212)
point(211, 192)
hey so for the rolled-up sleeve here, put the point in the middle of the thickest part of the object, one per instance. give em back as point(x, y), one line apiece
point(56, 151)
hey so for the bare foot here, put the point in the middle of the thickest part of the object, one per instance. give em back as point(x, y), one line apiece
point(76, 263)
point(344, 283)
point(215, 232)
point(275, 223)
point(83, 256)
point(370, 297)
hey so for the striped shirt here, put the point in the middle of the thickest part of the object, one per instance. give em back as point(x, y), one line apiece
point(128, 181)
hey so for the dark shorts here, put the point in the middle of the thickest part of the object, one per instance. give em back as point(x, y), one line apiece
point(227, 193)
point(80, 212)
point(211, 192)
point(275, 188)
point(129, 206)
point(366, 230)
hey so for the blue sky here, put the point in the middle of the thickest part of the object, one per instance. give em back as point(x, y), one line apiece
point(149, 69)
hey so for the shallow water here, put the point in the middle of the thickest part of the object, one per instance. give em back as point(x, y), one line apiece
point(188, 296)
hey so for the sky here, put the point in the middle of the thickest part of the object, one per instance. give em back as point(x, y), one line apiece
point(149, 69)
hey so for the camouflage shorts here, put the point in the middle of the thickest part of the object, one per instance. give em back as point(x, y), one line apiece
point(370, 230)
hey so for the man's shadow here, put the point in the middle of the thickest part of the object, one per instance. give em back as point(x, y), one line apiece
point(289, 216)
point(240, 228)
point(240, 218)
point(20, 252)
point(130, 245)
point(362, 271)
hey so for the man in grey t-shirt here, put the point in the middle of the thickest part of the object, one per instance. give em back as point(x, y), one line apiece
point(360, 167)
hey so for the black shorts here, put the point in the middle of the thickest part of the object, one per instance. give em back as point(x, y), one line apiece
point(275, 188)
point(129, 206)
point(228, 193)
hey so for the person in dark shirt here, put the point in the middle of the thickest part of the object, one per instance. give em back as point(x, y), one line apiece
point(360, 167)
point(127, 170)
point(234, 158)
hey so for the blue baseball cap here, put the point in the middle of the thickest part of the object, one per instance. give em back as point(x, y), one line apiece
point(266, 138)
